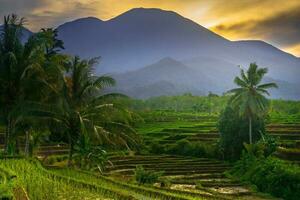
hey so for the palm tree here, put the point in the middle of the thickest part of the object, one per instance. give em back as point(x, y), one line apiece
point(249, 98)
point(27, 72)
point(10, 52)
point(83, 110)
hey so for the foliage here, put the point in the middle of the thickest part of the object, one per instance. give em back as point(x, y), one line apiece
point(270, 175)
point(54, 159)
point(42, 91)
point(234, 130)
point(82, 110)
point(143, 176)
point(33, 64)
point(287, 107)
point(249, 97)
point(156, 148)
point(185, 102)
point(88, 156)
point(270, 144)
point(196, 149)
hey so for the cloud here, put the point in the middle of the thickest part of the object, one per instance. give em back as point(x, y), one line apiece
point(46, 13)
point(282, 29)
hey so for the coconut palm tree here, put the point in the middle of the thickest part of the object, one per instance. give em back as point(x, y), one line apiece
point(83, 109)
point(27, 72)
point(249, 98)
point(10, 52)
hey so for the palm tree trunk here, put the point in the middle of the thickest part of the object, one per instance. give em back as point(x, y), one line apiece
point(26, 150)
point(7, 136)
point(70, 153)
point(16, 150)
point(250, 130)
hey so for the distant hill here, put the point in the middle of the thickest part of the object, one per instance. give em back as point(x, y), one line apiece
point(166, 77)
point(171, 77)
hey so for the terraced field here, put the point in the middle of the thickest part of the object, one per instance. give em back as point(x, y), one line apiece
point(195, 177)
point(189, 177)
point(34, 182)
point(203, 129)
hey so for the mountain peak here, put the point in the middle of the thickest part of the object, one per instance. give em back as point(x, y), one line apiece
point(168, 63)
point(167, 60)
point(83, 21)
point(150, 15)
point(88, 19)
point(148, 11)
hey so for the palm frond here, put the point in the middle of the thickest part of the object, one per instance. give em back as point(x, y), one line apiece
point(267, 86)
point(240, 82)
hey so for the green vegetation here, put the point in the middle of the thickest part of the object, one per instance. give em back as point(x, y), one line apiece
point(143, 176)
point(65, 137)
point(249, 99)
point(233, 129)
point(269, 175)
point(34, 182)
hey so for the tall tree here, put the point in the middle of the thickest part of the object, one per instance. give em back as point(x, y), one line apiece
point(83, 109)
point(26, 70)
point(249, 98)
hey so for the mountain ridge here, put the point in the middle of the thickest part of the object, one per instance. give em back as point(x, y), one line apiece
point(142, 37)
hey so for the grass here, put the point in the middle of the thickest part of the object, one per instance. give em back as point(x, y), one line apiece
point(39, 184)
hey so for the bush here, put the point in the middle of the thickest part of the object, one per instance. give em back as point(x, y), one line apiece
point(55, 158)
point(270, 175)
point(156, 148)
point(196, 149)
point(146, 177)
point(181, 147)
point(234, 132)
point(270, 145)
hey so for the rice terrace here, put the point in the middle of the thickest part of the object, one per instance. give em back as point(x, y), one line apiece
point(135, 100)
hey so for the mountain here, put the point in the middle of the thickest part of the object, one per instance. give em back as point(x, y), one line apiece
point(142, 36)
point(187, 57)
point(165, 77)
point(171, 77)
point(139, 37)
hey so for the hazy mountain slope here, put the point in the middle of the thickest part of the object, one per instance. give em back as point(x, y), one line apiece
point(281, 64)
point(141, 36)
point(221, 72)
point(160, 88)
point(171, 77)
point(167, 74)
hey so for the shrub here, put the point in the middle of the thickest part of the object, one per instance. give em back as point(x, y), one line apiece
point(156, 148)
point(270, 144)
point(196, 149)
point(181, 147)
point(146, 177)
point(55, 158)
point(234, 132)
point(270, 175)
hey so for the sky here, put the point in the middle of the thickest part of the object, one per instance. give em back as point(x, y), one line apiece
point(274, 21)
